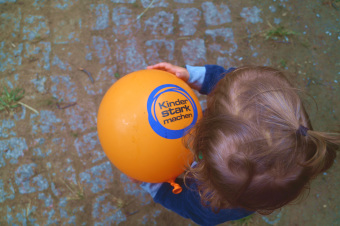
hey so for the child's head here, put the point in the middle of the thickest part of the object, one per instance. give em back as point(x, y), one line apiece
point(255, 150)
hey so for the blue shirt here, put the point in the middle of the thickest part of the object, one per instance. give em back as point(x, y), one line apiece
point(188, 205)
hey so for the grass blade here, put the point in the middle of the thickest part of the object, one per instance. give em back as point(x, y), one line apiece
point(25, 105)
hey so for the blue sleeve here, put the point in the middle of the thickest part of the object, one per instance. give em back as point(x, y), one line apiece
point(151, 188)
point(196, 76)
point(188, 205)
point(213, 75)
point(205, 78)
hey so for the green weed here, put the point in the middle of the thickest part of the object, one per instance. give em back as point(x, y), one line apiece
point(136, 5)
point(305, 43)
point(51, 101)
point(28, 209)
point(77, 191)
point(246, 221)
point(278, 32)
point(48, 101)
point(75, 134)
point(120, 203)
point(117, 75)
point(93, 128)
point(283, 63)
point(10, 99)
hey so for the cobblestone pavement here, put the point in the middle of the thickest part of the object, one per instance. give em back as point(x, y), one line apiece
point(52, 168)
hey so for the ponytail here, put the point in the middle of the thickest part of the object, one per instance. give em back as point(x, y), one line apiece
point(325, 147)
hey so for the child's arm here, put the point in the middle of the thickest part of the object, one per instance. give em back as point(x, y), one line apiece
point(213, 74)
point(201, 78)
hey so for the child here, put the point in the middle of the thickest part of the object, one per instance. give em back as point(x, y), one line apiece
point(255, 149)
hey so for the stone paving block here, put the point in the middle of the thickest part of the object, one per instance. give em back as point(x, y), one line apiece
point(67, 30)
point(28, 181)
point(185, 1)
point(87, 148)
point(47, 122)
point(52, 219)
point(106, 75)
point(130, 55)
point(10, 56)
point(63, 4)
point(6, 190)
point(72, 218)
point(160, 24)
point(272, 9)
point(17, 215)
point(5, 1)
point(216, 14)
point(228, 44)
point(5, 128)
point(155, 3)
point(188, 19)
point(10, 23)
point(97, 178)
point(105, 212)
point(149, 219)
point(159, 50)
point(21, 115)
point(38, 4)
point(88, 53)
point(69, 218)
point(47, 199)
point(79, 120)
point(194, 52)
point(134, 190)
point(123, 1)
point(124, 21)
point(60, 143)
point(63, 89)
point(102, 12)
point(40, 153)
point(277, 20)
point(11, 150)
point(35, 27)
point(66, 173)
point(251, 14)
point(65, 66)
point(225, 62)
point(39, 84)
point(38, 53)
point(102, 49)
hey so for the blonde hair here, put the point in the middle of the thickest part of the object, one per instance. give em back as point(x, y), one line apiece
point(253, 153)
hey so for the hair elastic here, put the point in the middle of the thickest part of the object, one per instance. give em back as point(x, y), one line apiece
point(302, 130)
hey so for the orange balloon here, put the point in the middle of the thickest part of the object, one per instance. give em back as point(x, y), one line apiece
point(141, 122)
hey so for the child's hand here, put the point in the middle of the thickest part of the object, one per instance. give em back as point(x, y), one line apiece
point(180, 72)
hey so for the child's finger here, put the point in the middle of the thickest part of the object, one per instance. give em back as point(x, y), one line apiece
point(155, 66)
point(163, 66)
point(179, 72)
